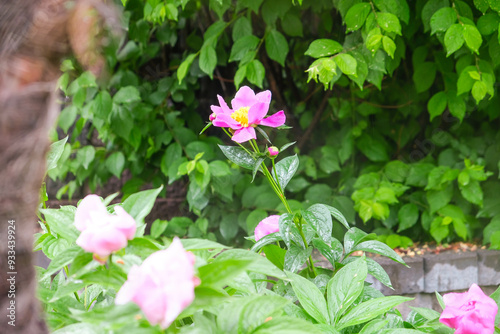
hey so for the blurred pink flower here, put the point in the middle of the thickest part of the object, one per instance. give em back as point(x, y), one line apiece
point(273, 151)
point(470, 312)
point(162, 286)
point(102, 233)
point(249, 110)
point(267, 226)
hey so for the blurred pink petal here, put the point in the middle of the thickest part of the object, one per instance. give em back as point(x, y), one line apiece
point(162, 286)
point(101, 232)
point(267, 226)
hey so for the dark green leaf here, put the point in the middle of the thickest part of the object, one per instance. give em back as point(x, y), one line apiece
point(276, 46)
point(356, 16)
point(285, 169)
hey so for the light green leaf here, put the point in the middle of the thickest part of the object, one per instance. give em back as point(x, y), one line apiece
point(318, 216)
point(356, 16)
point(255, 73)
point(479, 90)
point(55, 152)
point(389, 22)
point(370, 309)
point(389, 46)
point(345, 287)
point(127, 94)
point(285, 169)
point(242, 46)
point(346, 63)
point(322, 48)
point(472, 37)
point(310, 297)
point(454, 38)
point(443, 19)
point(115, 163)
point(407, 216)
point(139, 205)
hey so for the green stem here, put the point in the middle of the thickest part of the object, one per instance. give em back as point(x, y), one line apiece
point(67, 275)
point(310, 264)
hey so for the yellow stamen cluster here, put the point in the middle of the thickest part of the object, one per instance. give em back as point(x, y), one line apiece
point(241, 116)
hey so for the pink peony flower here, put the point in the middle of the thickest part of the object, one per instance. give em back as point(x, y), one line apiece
point(267, 226)
point(163, 285)
point(470, 312)
point(248, 112)
point(273, 151)
point(102, 233)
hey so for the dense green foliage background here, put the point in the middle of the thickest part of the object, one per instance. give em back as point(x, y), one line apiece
point(392, 103)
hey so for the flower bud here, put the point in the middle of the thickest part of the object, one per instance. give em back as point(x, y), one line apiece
point(273, 151)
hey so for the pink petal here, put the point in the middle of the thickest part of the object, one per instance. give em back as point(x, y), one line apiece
point(275, 120)
point(90, 203)
point(267, 226)
point(125, 223)
point(224, 106)
point(245, 97)
point(244, 134)
point(257, 113)
point(225, 121)
point(264, 97)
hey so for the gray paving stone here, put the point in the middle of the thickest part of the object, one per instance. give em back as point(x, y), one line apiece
point(488, 267)
point(450, 271)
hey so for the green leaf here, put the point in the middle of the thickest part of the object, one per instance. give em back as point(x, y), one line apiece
point(377, 247)
point(399, 8)
point(63, 259)
point(285, 169)
point(55, 152)
point(67, 117)
point(456, 105)
point(332, 253)
point(238, 156)
point(208, 60)
point(439, 198)
point(288, 230)
point(338, 215)
point(374, 326)
point(424, 76)
point(266, 240)
point(408, 216)
point(310, 297)
point(454, 38)
point(276, 46)
point(322, 48)
point(488, 24)
point(443, 19)
point(240, 75)
point(370, 309)
point(479, 90)
point(139, 205)
point(389, 46)
point(257, 311)
point(287, 325)
point(318, 216)
point(373, 147)
point(61, 222)
point(184, 67)
point(472, 37)
point(356, 16)
point(437, 104)
point(295, 258)
point(257, 263)
point(255, 73)
point(482, 5)
point(472, 192)
point(128, 94)
point(345, 287)
point(219, 273)
point(86, 155)
point(438, 230)
point(193, 244)
point(115, 163)
point(389, 22)
point(346, 63)
point(242, 46)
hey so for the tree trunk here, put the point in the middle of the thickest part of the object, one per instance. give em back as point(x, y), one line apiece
point(34, 37)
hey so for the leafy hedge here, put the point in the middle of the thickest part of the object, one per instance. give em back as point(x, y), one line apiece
point(393, 105)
